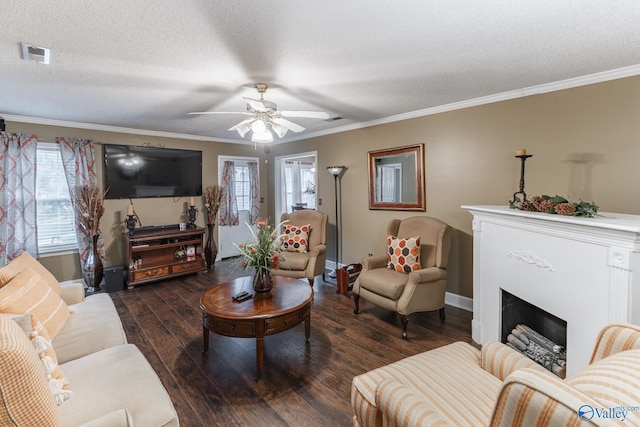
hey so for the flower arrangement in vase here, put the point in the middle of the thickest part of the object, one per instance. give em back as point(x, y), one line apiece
point(263, 253)
point(213, 198)
point(89, 207)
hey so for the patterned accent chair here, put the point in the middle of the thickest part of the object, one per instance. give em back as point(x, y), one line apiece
point(460, 385)
point(420, 290)
point(310, 264)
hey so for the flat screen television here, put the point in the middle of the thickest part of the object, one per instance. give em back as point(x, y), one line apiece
point(136, 172)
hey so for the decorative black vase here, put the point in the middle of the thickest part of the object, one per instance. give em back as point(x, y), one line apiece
point(93, 270)
point(210, 249)
point(262, 281)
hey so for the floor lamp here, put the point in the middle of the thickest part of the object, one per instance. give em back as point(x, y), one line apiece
point(336, 171)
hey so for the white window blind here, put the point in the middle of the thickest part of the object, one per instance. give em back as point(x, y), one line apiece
point(56, 230)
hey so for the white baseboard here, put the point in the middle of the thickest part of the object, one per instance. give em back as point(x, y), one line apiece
point(458, 301)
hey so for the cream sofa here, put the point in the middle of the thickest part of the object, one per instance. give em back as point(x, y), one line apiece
point(111, 382)
point(460, 385)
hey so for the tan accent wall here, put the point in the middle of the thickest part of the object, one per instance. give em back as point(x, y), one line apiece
point(584, 141)
point(152, 211)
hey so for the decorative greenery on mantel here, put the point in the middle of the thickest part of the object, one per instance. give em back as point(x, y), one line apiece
point(556, 205)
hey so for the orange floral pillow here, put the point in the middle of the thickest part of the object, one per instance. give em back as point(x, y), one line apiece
point(295, 238)
point(403, 255)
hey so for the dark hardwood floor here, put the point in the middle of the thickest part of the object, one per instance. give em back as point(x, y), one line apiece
point(303, 384)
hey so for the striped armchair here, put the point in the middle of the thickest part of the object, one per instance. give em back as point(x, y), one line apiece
point(460, 385)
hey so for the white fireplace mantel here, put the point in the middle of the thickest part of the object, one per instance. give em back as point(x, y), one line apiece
point(585, 271)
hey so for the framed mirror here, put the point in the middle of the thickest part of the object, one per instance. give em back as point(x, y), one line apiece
point(396, 179)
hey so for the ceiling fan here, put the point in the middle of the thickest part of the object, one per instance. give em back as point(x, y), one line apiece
point(265, 114)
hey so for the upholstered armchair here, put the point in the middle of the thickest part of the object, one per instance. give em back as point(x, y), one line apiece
point(419, 278)
point(306, 256)
point(458, 384)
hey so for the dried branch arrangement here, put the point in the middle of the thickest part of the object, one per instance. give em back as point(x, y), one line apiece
point(213, 198)
point(88, 203)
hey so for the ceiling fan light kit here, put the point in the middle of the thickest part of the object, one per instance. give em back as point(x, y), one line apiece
point(265, 114)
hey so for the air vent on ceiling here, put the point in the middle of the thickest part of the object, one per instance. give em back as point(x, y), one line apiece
point(35, 53)
point(333, 119)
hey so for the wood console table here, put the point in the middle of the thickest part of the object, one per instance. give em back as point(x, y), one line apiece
point(155, 254)
point(287, 305)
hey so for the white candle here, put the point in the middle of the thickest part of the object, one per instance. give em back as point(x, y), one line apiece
point(192, 201)
point(521, 152)
point(130, 210)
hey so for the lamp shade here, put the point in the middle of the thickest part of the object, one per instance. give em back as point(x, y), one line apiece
point(335, 170)
point(264, 137)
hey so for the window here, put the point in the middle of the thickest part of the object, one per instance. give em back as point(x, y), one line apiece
point(243, 188)
point(55, 217)
point(300, 184)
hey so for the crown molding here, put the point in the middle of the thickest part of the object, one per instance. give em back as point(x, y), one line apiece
point(604, 76)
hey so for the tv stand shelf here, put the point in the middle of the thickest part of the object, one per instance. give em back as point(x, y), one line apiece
point(163, 253)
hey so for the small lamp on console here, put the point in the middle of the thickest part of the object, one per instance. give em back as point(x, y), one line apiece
point(192, 212)
point(131, 220)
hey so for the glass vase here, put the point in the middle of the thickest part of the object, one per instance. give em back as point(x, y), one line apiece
point(262, 281)
point(93, 271)
point(210, 249)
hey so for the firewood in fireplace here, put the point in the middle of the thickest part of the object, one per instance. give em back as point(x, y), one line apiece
point(539, 349)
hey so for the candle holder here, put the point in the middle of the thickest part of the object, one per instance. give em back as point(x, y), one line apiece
point(130, 222)
point(522, 158)
point(192, 213)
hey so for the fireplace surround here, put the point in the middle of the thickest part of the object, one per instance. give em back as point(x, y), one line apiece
point(585, 271)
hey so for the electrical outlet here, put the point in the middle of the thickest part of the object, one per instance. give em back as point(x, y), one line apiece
point(319, 202)
point(369, 254)
point(261, 199)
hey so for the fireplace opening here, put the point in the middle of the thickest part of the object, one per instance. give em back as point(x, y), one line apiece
point(534, 332)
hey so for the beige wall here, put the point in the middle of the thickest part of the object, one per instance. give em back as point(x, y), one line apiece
point(584, 142)
point(152, 211)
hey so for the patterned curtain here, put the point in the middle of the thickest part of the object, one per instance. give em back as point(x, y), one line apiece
point(79, 161)
point(18, 228)
point(254, 182)
point(228, 214)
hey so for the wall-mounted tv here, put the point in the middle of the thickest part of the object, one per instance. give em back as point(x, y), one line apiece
point(136, 172)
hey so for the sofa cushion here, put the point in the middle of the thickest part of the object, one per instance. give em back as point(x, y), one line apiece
point(385, 282)
point(403, 255)
point(28, 293)
point(613, 381)
point(25, 399)
point(442, 376)
point(113, 379)
point(22, 262)
point(96, 320)
point(295, 238)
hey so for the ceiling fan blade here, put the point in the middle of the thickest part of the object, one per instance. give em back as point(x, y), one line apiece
point(307, 114)
point(222, 112)
point(260, 104)
point(289, 125)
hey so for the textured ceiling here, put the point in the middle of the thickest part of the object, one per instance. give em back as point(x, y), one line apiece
point(145, 64)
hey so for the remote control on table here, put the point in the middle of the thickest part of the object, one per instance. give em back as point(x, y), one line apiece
point(242, 296)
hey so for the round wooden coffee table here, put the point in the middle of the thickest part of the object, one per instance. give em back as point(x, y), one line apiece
point(287, 305)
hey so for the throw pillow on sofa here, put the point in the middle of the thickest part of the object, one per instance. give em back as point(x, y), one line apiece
point(28, 293)
point(41, 341)
point(21, 263)
point(26, 398)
